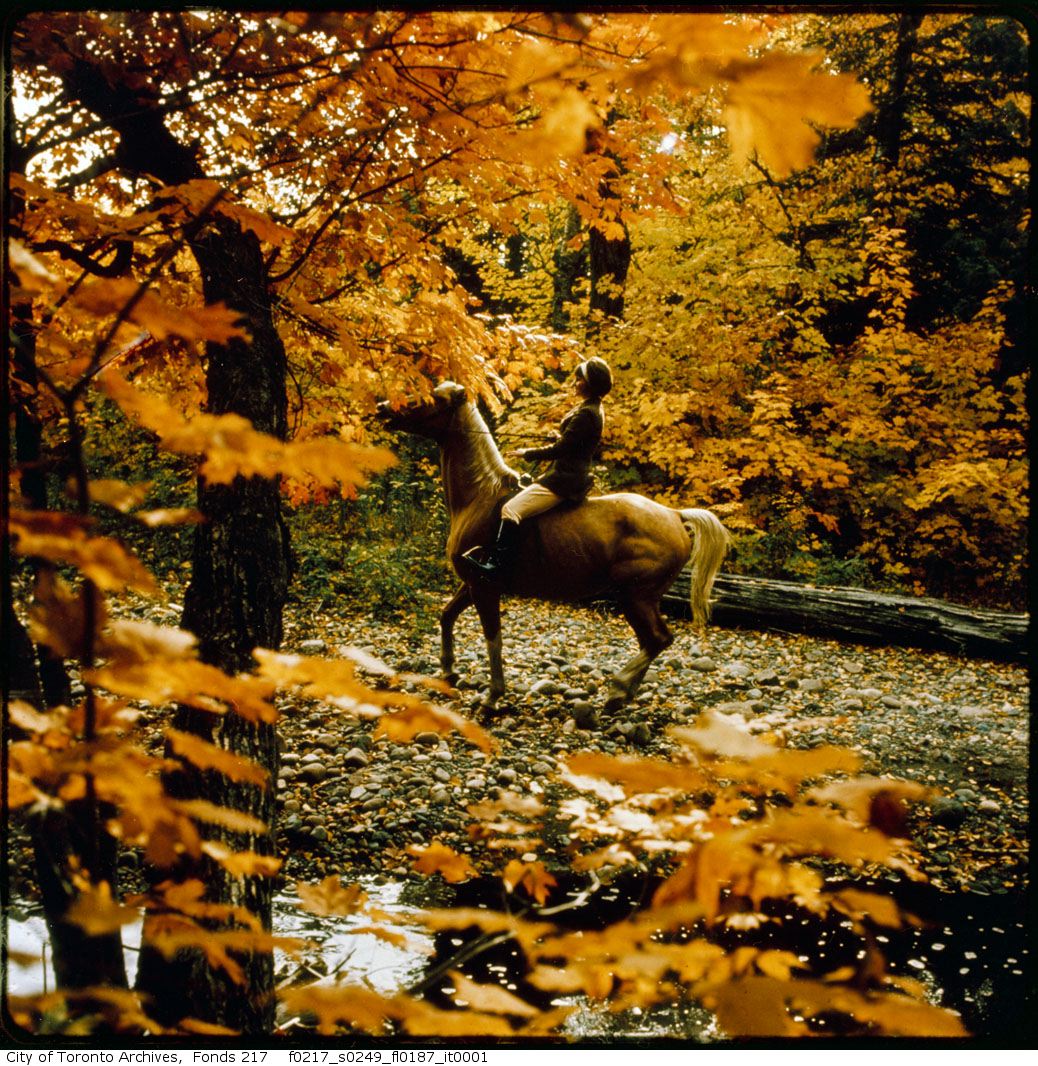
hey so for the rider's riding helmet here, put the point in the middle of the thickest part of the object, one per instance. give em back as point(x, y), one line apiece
point(596, 374)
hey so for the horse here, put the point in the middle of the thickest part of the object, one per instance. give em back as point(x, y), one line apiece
point(620, 543)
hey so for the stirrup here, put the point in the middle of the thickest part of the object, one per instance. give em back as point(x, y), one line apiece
point(483, 569)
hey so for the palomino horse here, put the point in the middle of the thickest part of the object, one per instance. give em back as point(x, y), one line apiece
point(620, 543)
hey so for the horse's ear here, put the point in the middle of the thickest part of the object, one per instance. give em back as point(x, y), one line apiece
point(501, 391)
point(450, 392)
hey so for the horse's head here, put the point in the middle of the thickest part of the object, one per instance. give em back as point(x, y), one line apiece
point(428, 418)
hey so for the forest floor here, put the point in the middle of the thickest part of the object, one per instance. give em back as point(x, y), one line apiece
point(352, 804)
point(958, 726)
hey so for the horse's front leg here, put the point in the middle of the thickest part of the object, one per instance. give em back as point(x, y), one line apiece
point(457, 603)
point(488, 606)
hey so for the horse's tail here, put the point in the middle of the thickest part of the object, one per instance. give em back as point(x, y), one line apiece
point(710, 541)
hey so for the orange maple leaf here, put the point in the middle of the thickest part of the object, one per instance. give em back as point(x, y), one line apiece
point(439, 859)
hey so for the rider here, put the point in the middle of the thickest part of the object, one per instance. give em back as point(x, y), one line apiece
point(570, 475)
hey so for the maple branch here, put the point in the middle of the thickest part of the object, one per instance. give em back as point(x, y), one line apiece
point(804, 258)
point(337, 211)
point(89, 172)
point(113, 269)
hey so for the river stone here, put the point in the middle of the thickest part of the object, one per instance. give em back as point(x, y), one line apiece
point(584, 714)
point(312, 647)
point(428, 738)
point(313, 771)
point(853, 704)
point(948, 811)
point(812, 684)
point(355, 757)
point(734, 707)
point(544, 687)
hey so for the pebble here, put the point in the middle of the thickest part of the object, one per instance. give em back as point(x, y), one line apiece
point(585, 714)
point(948, 811)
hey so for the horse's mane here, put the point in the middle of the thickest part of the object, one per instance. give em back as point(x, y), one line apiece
point(484, 468)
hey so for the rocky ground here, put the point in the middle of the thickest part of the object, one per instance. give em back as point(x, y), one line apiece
point(960, 726)
point(351, 804)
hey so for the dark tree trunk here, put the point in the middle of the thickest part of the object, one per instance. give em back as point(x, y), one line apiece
point(71, 835)
point(609, 258)
point(234, 603)
point(890, 118)
point(241, 563)
point(28, 445)
point(568, 263)
point(860, 616)
point(609, 261)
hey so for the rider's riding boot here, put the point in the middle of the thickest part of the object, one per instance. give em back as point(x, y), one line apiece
point(501, 555)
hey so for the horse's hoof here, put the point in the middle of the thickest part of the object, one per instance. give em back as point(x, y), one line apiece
point(614, 701)
point(490, 708)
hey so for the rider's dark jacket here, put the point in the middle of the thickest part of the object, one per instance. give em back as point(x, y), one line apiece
point(572, 454)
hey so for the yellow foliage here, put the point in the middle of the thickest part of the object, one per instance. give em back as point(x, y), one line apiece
point(770, 103)
point(232, 448)
point(437, 858)
point(64, 539)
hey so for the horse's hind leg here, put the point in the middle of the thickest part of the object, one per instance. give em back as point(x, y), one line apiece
point(457, 603)
point(645, 619)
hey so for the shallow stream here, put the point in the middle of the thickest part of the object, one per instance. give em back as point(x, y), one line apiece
point(972, 953)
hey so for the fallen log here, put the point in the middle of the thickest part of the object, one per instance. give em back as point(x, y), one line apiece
point(860, 616)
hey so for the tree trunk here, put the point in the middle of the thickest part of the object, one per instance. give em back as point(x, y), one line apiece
point(241, 564)
point(71, 835)
point(567, 263)
point(890, 117)
point(609, 262)
point(860, 616)
point(234, 603)
point(609, 258)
